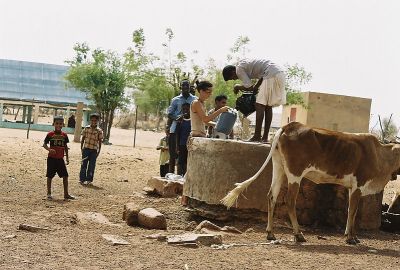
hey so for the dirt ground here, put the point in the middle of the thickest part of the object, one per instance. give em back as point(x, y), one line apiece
point(74, 246)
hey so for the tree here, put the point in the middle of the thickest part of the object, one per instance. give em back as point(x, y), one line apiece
point(102, 76)
point(388, 129)
point(296, 77)
point(154, 94)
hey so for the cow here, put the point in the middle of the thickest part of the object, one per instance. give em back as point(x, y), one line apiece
point(358, 162)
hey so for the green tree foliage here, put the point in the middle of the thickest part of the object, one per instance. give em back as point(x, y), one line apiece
point(102, 76)
point(154, 94)
point(296, 77)
point(388, 130)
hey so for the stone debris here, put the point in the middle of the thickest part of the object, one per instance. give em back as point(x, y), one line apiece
point(249, 230)
point(115, 240)
point(130, 214)
point(157, 236)
point(226, 246)
point(9, 236)
point(93, 217)
point(164, 187)
point(32, 228)
point(209, 227)
point(152, 219)
point(193, 238)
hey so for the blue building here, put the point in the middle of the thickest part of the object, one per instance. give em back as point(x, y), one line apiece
point(32, 85)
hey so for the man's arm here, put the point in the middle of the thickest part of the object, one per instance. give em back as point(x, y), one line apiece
point(100, 142)
point(82, 141)
point(173, 110)
point(252, 88)
point(66, 154)
point(45, 146)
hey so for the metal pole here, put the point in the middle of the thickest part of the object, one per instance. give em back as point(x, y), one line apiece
point(134, 136)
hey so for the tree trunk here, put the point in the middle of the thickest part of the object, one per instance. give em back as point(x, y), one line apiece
point(104, 126)
point(110, 121)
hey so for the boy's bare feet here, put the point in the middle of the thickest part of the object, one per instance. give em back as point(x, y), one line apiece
point(69, 197)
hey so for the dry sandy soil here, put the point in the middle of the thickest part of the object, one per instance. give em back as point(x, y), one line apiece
point(74, 246)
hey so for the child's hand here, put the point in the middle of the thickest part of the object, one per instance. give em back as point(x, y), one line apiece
point(52, 151)
point(67, 161)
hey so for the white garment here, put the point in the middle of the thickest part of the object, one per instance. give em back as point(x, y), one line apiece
point(248, 69)
point(272, 91)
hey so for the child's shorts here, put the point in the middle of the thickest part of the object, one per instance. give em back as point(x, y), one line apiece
point(56, 165)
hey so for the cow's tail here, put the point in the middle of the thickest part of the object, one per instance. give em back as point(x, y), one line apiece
point(233, 195)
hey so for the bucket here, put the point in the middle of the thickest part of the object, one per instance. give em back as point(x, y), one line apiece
point(226, 122)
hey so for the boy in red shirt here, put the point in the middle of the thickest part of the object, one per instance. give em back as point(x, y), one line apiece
point(55, 161)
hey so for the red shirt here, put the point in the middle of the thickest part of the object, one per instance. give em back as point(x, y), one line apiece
point(58, 142)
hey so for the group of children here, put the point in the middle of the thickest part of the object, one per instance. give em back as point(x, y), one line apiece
point(56, 143)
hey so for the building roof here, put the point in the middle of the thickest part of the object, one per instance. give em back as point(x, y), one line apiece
point(21, 80)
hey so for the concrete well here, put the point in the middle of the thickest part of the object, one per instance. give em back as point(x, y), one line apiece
point(214, 166)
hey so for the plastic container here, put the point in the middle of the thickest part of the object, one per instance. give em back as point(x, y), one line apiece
point(226, 122)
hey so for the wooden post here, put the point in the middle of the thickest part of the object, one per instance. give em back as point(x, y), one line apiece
point(78, 124)
point(23, 113)
point(1, 111)
point(36, 114)
point(134, 136)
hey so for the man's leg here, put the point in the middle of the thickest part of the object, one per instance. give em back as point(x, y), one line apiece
point(92, 165)
point(84, 166)
point(260, 109)
point(67, 196)
point(172, 151)
point(184, 152)
point(267, 123)
point(49, 188)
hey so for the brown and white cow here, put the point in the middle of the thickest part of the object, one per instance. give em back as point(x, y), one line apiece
point(356, 161)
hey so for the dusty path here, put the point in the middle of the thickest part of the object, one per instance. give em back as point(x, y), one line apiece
point(74, 246)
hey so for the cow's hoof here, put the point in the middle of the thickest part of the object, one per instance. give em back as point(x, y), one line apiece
point(270, 236)
point(352, 241)
point(357, 240)
point(299, 238)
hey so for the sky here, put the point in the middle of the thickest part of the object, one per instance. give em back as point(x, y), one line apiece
point(351, 47)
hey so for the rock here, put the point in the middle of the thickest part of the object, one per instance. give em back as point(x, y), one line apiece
point(201, 239)
point(9, 236)
point(249, 230)
point(115, 240)
point(93, 217)
point(164, 187)
point(209, 227)
point(152, 219)
point(31, 228)
point(130, 214)
point(157, 236)
point(191, 226)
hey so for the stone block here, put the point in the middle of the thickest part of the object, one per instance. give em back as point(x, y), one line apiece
point(164, 187)
point(130, 214)
point(152, 219)
point(193, 238)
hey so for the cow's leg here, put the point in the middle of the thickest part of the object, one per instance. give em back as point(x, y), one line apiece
point(291, 197)
point(278, 175)
point(350, 233)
